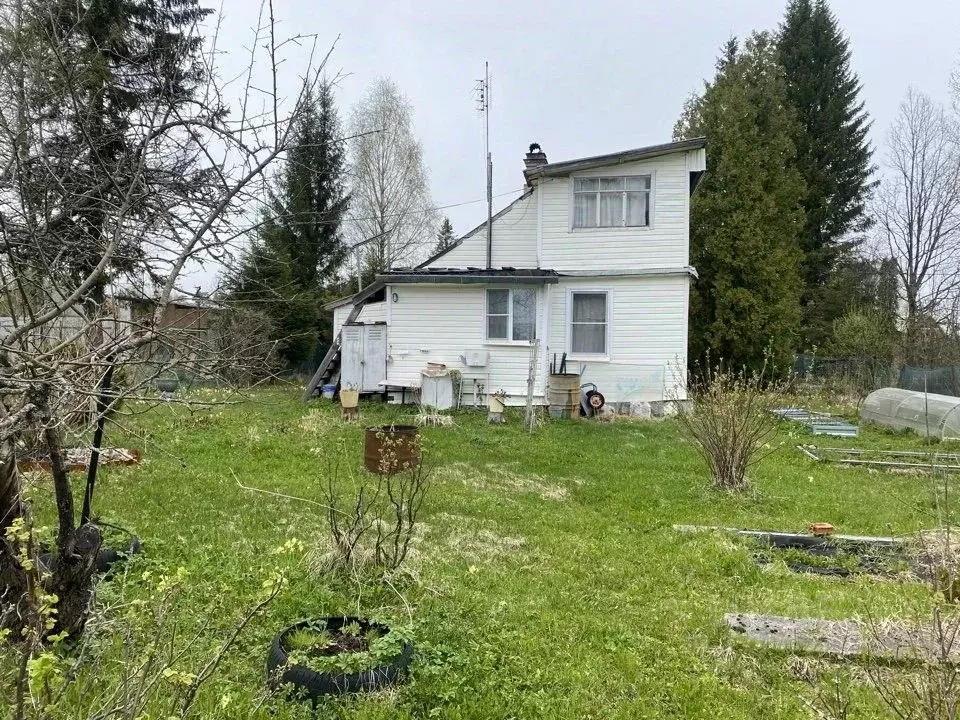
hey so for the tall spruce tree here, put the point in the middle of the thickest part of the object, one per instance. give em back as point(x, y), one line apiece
point(130, 58)
point(311, 198)
point(833, 151)
point(300, 247)
point(746, 216)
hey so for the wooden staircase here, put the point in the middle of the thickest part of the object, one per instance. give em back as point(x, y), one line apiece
point(329, 371)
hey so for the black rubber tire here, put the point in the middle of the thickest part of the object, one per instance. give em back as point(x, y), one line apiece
point(595, 400)
point(312, 685)
point(106, 558)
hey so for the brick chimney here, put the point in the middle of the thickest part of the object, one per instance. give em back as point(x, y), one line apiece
point(535, 158)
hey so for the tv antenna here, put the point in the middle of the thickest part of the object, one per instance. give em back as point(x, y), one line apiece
point(482, 89)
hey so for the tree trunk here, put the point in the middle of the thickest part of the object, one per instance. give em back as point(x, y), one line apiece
point(72, 578)
point(13, 580)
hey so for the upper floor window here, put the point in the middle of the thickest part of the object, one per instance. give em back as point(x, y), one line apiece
point(600, 202)
point(511, 314)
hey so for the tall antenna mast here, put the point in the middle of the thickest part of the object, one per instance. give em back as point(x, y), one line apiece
point(483, 105)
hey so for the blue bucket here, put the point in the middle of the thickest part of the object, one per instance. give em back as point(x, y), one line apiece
point(328, 391)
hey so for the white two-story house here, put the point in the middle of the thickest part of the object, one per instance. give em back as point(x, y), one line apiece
point(592, 259)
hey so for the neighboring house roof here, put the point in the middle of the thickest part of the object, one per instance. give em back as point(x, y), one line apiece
point(523, 196)
point(199, 302)
point(568, 166)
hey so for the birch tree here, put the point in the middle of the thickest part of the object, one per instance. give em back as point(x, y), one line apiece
point(391, 219)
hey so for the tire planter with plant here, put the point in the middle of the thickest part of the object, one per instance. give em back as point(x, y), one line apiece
point(311, 684)
point(168, 385)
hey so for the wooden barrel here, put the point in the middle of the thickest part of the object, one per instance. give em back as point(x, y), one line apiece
point(389, 449)
point(563, 393)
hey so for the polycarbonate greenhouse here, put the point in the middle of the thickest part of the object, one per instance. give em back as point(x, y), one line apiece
point(915, 410)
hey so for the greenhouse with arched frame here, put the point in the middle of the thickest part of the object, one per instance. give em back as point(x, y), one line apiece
point(927, 414)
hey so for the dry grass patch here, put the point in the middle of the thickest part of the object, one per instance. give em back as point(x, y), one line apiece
point(473, 540)
point(318, 423)
point(494, 477)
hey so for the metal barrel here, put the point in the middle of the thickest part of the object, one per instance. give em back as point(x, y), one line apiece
point(389, 449)
point(563, 393)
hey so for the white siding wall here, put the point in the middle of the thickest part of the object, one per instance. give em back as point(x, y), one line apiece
point(375, 312)
point(648, 336)
point(514, 241)
point(664, 244)
point(369, 313)
point(437, 323)
point(340, 315)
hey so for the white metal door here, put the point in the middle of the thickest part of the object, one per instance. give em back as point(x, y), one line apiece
point(351, 356)
point(374, 357)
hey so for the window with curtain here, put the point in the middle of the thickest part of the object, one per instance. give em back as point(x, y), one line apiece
point(511, 314)
point(611, 201)
point(588, 323)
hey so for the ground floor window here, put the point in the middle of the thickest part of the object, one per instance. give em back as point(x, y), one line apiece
point(511, 314)
point(588, 323)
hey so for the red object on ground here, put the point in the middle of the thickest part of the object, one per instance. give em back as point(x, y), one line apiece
point(821, 528)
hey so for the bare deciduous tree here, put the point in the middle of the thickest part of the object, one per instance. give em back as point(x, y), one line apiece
point(918, 206)
point(391, 220)
point(169, 183)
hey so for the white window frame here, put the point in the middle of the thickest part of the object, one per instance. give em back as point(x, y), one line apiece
point(509, 339)
point(608, 339)
point(651, 204)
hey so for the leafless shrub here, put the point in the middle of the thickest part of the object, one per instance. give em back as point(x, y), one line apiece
point(155, 675)
point(936, 559)
point(831, 698)
point(927, 689)
point(242, 349)
point(728, 419)
point(373, 525)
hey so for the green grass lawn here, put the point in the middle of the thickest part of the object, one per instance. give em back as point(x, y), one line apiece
point(550, 583)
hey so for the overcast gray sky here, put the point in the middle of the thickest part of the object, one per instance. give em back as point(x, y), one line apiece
point(580, 78)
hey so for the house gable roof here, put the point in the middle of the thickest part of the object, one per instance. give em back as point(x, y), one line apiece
point(523, 196)
point(566, 167)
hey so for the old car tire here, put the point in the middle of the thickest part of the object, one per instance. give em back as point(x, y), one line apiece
point(106, 558)
point(311, 684)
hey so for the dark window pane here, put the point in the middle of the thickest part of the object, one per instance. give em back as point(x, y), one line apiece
point(638, 213)
point(524, 314)
point(498, 302)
